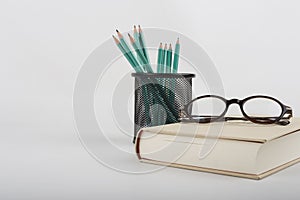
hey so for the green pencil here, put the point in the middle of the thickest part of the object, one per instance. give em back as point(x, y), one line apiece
point(133, 62)
point(140, 54)
point(143, 44)
point(169, 59)
point(136, 36)
point(127, 49)
point(159, 58)
point(123, 42)
point(164, 58)
point(176, 56)
point(136, 66)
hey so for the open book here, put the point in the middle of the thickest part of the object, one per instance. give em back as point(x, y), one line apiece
point(237, 148)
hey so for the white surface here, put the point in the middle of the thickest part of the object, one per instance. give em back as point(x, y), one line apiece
point(254, 44)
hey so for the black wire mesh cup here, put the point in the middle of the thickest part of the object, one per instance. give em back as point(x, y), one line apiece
point(158, 98)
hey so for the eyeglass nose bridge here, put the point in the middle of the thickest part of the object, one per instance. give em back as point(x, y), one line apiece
point(231, 101)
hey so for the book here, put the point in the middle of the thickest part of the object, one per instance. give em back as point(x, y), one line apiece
point(235, 148)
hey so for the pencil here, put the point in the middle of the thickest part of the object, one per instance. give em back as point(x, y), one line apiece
point(159, 68)
point(127, 48)
point(143, 44)
point(132, 62)
point(159, 58)
point(169, 59)
point(140, 54)
point(140, 68)
point(176, 56)
point(164, 58)
point(136, 36)
point(123, 42)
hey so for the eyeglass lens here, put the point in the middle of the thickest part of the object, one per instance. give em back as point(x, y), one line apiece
point(209, 106)
point(262, 107)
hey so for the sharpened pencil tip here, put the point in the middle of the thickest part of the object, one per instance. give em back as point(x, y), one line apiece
point(177, 42)
point(115, 39)
point(131, 38)
point(170, 46)
point(119, 34)
point(160, 45)
point(166, 46)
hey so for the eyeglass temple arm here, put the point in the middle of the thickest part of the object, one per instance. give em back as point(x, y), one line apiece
point(286, 116)
point(283, 121)
point(288, 113)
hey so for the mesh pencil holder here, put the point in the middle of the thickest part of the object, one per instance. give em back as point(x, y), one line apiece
point(158, 98)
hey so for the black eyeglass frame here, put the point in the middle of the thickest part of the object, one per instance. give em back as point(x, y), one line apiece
point(282, 119)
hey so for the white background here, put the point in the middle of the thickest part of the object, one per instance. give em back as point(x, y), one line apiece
point(254, 44)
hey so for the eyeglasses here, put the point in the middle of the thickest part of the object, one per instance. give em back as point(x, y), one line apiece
point(258, 109)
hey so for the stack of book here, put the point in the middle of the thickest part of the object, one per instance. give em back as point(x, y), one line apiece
point(242, 149)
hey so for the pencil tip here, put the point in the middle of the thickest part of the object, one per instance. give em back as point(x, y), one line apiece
point(166, 45)
point(115, 39)
point(134, 26)
point(119, 34)
point(177, 40)
point(170, 46)
point(131, 38)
